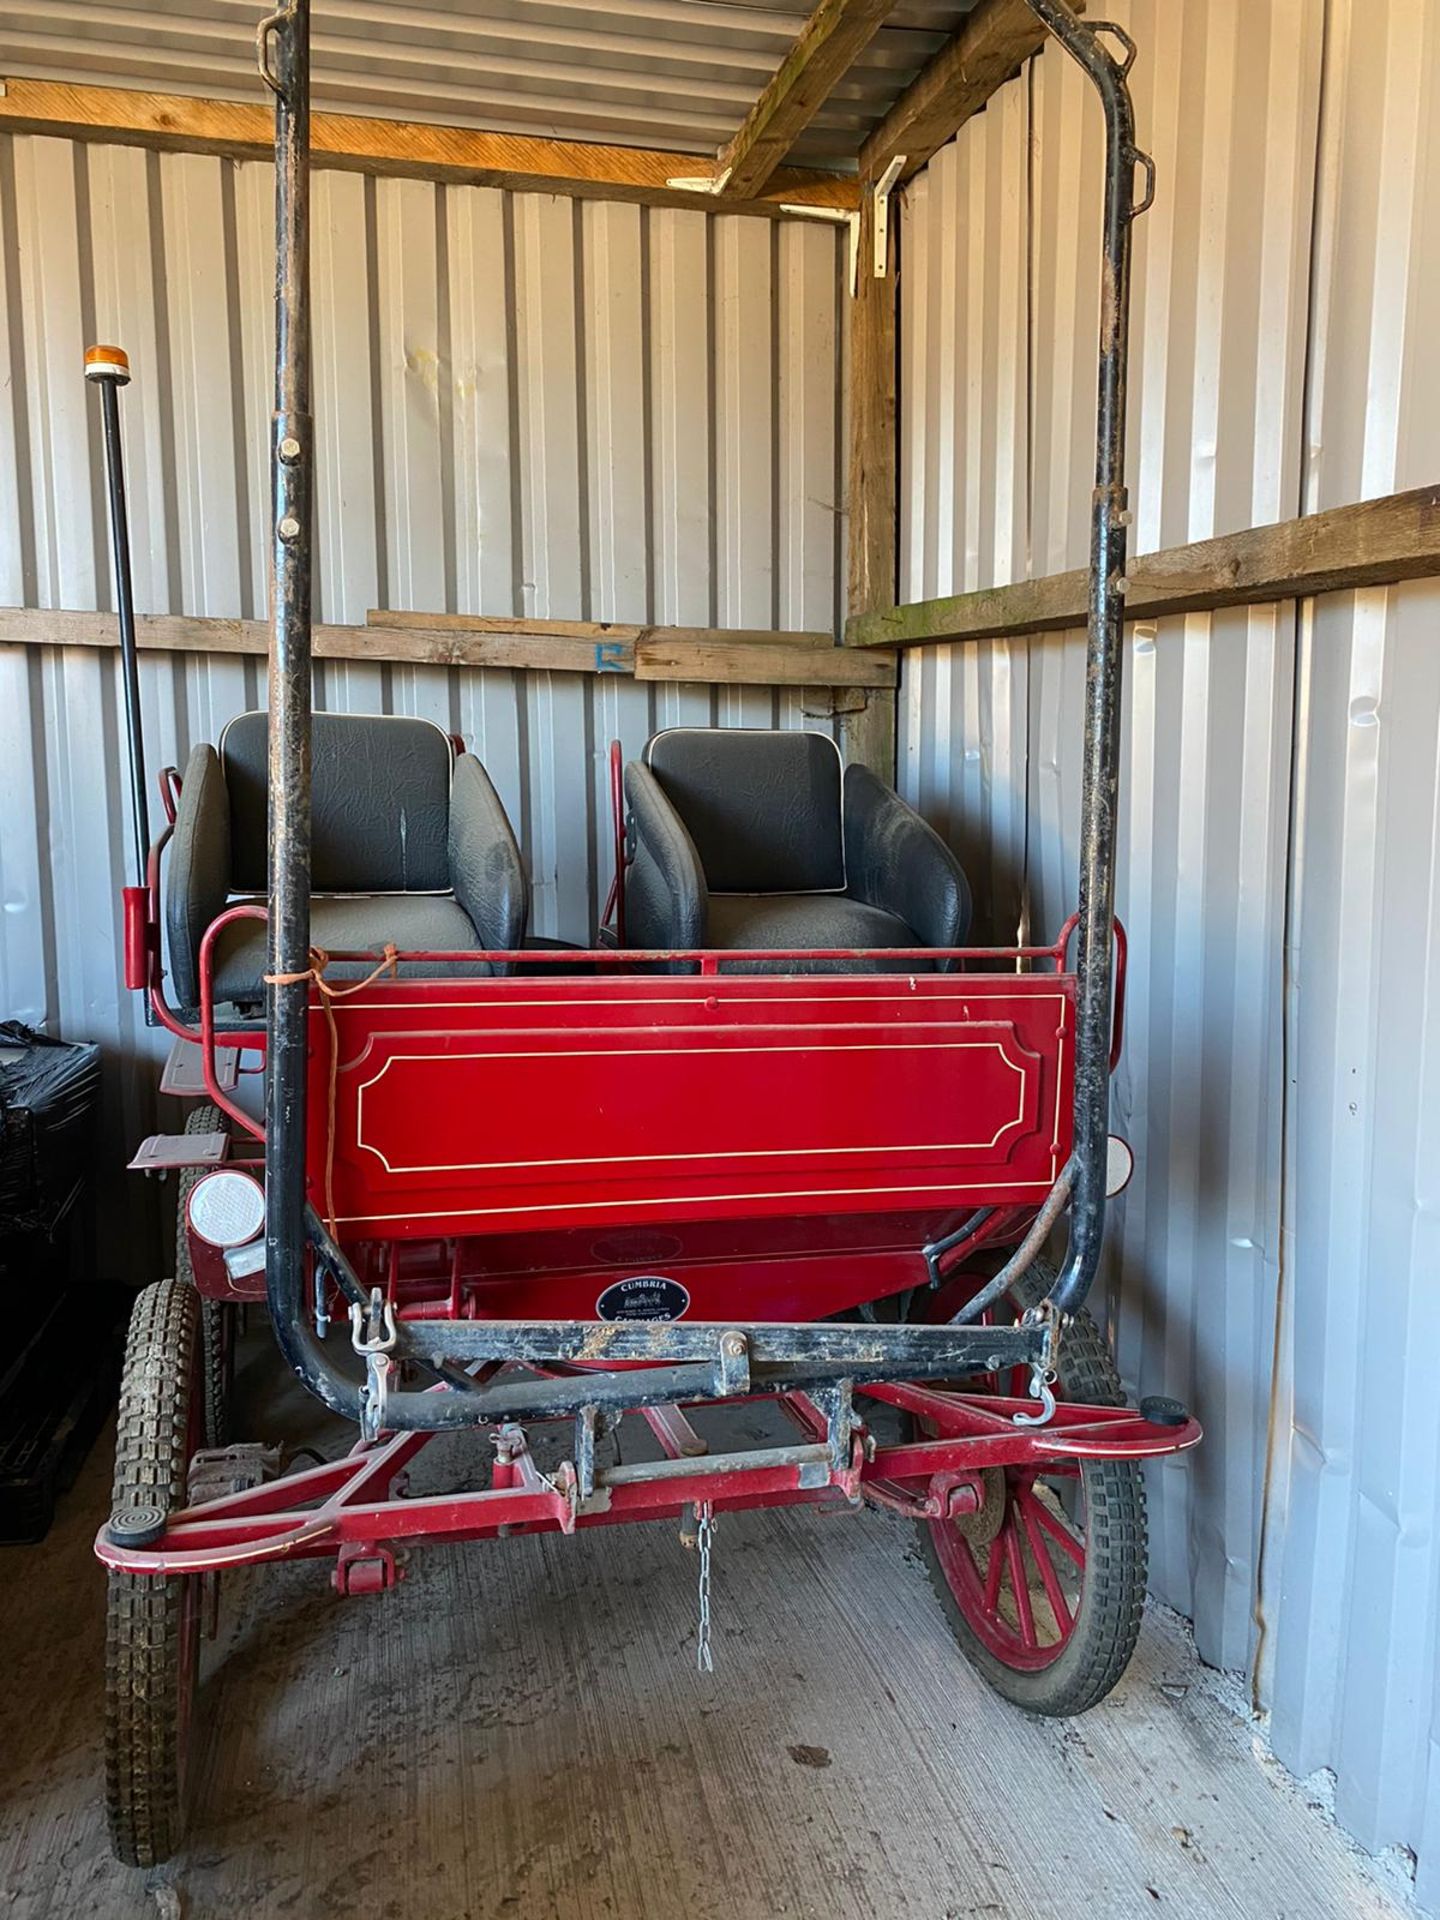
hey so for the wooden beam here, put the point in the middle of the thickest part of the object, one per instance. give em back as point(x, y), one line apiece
point(408, 148)
point(994, 43)
point(873, 431)
point(597, 630)
point(867, 732)
point(667, 657)
point(1375, 543)
point(679, 653)
point(827, 47)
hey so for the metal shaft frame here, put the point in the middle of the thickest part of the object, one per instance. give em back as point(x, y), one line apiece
point(283, 41)
point(285, 35)
point(1108, 543)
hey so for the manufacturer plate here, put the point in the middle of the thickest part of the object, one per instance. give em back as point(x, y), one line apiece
point(644, 1296)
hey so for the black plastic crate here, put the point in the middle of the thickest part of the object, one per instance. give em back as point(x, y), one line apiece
point(49, 1091)
point(54, 1398)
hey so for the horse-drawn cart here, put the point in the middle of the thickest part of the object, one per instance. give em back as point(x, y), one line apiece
point(779, 1134)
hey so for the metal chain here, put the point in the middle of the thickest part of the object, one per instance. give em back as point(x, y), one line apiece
point(705, 1517)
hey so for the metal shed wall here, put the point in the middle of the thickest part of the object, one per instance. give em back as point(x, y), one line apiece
point(1352, 1570)
point(525, 405)
point(1278, 873)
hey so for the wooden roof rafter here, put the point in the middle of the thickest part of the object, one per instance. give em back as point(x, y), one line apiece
point(824, 51)
point(404, 148)
point(990, 48)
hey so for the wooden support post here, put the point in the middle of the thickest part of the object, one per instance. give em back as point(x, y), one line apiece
point(867, 732)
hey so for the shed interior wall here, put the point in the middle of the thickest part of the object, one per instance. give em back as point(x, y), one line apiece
point(526, 405)
point(1272, 1260)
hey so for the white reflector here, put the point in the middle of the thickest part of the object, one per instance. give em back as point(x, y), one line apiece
point(227, 1208)
point(1119, 1165)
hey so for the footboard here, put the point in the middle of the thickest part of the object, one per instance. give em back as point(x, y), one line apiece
point(485, 1106)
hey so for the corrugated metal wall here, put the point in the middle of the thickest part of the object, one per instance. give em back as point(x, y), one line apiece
point(526, 405)
point(1352, 1589)
point(1279, 775)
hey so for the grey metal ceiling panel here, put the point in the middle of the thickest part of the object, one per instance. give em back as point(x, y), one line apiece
point(663, 73)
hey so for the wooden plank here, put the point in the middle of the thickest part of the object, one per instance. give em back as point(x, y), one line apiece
point(602, 630)
point(994, 43)
point(1046, 605)
point(756, 665)
point(825, 50)
point(506, 623)
point(412, 646)
point(1374, 543)
point(764, 658)
point(409, 148)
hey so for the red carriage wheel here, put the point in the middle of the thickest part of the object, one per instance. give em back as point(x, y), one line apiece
point(1045, 1584)
point(152, 1624)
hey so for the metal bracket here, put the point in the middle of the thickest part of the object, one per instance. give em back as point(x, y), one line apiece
point(880, 224)
point(365, 1568)
point(838, 217)
point(837, 1405)
point(732, 1365)
point(700, 182)
point(586, 1422)
point(834, 708)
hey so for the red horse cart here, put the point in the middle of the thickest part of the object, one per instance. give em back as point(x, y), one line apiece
point(779, 1136)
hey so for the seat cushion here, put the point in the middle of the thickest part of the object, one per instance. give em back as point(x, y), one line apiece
point(807, 920)
point(763, 808)
point(379, 797)
point(359, 922)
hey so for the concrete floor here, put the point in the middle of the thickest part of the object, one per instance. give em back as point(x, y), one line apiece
point(519, 1730)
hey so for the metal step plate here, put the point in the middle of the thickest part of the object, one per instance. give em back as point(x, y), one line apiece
point(163, 1152)
point(184, 1074)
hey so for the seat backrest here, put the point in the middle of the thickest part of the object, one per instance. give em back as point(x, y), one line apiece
point(380, 803)
point(763, 808)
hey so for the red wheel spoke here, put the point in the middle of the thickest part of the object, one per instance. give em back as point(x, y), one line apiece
point(1050, 1579)
point(1015, 1560)
point(1058, 1531)
point(992, 1578)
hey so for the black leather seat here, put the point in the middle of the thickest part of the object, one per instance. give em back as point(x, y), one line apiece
point(750, 839)
point(410, 845)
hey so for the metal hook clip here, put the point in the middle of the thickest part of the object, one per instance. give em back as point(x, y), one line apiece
point(373, 1334)
point(374, 1395)
point(1110, 27)
point(1041, 1390)
point(1138, 158)
point(272, 23)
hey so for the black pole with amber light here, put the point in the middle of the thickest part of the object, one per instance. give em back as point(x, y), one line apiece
point(109, 370)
